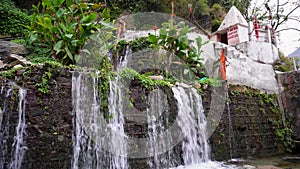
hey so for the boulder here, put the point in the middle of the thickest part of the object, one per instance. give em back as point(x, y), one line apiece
point(13, 61)
point(12, 48)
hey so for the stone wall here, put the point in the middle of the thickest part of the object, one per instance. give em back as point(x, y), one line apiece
point(291, 99)
point(48, 116)
point(50, 127)
point(246, 128)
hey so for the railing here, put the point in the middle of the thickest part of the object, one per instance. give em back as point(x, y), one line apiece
point(260, 35)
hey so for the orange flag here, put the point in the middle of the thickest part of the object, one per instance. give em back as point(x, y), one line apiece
point(223, 65)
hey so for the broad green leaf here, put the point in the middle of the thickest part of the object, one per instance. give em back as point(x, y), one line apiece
point(106, 24)
point(69, 53)
point(58, 2)
point(55, 29)
point(76, 57)
point(181, 24)
point(152, 38)
point(63, 27)
point(74, 42)
point(166, 24)
point(72, 26)
point(163, 31)
point(90, 18)
point(33, 37)
point(57, 52)
point(46, 3)
point(108, 36)
point(47, 22)
point(172, 32)
point(194, 69)
point(199, 41)
point(60, 12)
point(86, 51)
point(58, 45)
point(69, 35)
point(69, 2)
point(186, 71)
point(83, 5)
point(184, 40)
point(106, 13)
point(184, 30)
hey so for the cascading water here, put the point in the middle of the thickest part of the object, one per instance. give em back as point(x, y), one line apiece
point(156, 125)
point(19, 142)
point(192, 121)
point(118, 143)
point(86, 109)
point(109, 147)
point(18, 147)
point(98, 144)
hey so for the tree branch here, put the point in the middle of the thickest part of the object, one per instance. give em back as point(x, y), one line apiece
point(296, 29)
point(287, 16)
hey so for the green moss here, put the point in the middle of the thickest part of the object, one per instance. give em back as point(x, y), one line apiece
point(43, 86)
point(144, 79)
point(10, 73)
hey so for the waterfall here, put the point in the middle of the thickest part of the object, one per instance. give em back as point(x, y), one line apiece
point(192, 121)
point(118, 143)
point(19, 142)
point(156, 125)
point(86, 110)
point(97, 144)
point(18, 147)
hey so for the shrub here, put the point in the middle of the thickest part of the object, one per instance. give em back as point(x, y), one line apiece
point(64, 26)
point(12, 19)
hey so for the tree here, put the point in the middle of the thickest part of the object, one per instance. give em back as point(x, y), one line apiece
point(281, 12)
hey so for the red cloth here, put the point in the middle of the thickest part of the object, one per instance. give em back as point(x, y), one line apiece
point(256, 27)
point(223, 65)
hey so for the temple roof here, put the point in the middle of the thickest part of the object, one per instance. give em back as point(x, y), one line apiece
point(233, 17)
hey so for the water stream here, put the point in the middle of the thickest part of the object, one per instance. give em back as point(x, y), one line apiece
point(100, 143)
point(97, 144)
point(192, 121)
point(17, 150)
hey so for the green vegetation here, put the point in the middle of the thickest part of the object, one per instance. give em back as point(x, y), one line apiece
point(284, 63)
point(283, 133)
point(62, 27)
point(10, 73)
point(12, 19)
point(128, 74)
point(43, 86)
point(173, 39)
point(213, 82)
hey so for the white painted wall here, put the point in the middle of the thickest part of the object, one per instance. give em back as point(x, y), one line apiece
point(243, 33)
point(249, 66)
point(259, 51)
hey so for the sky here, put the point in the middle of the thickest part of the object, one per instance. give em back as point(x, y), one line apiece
point(288, 40)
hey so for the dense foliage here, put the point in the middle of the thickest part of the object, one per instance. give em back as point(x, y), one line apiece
point(64, 26)
point(12, 19)
point(174, 39)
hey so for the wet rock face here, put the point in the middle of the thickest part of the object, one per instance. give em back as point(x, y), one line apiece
point(244, 129)
point(49, 125)
point(291, 99)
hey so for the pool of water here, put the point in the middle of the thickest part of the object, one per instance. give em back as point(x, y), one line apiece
point(210, 165)
point(276, 161)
